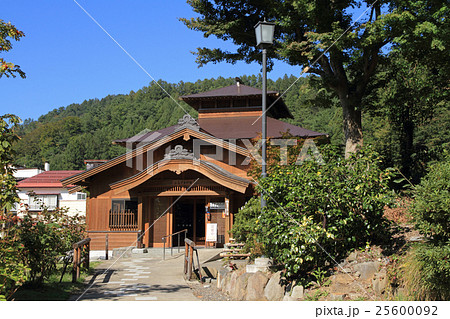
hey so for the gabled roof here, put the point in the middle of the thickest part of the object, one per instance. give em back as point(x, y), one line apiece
point(161, 140)
point(47, 179)
point(212, 171)
point(229, 127)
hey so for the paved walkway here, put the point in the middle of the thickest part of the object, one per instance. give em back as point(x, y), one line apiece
point(141, 277)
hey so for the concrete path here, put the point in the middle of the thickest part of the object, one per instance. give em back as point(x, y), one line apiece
point(141, 277)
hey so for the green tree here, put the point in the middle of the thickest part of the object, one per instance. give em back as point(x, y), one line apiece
point(431, 206)
point(315, 210)
point(12, 269)
point(345, 51)
point(8, 195)
point(407, 96)
point(7, 32)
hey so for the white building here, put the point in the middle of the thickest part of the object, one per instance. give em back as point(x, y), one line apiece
point(46, 189)
point(23, 173)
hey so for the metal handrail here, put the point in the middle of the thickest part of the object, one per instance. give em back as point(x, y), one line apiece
point(171, 246)
point(106, 232)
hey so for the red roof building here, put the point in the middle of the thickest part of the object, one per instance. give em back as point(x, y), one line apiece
point(47, 179)
point(46, 190)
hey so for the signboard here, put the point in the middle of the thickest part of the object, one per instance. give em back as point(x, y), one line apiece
point(227, 206)
point(217, 205)
point(211, 232)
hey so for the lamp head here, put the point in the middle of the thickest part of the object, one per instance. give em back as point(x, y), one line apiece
point(264, 33)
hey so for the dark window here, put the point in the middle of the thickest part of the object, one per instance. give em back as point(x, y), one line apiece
point(123, 214)
point(119, 205)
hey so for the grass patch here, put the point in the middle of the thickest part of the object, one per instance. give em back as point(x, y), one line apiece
point(52, 289)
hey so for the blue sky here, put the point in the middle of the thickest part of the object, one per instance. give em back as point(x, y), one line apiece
point(69, 59)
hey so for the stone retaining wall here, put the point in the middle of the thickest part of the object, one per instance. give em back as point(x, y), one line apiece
point(258, 286)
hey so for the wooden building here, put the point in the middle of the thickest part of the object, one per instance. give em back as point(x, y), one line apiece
point(184, 176)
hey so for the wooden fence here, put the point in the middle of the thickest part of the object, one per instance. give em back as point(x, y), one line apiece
point(123, 220)
point(81, 252)
point(189, 260)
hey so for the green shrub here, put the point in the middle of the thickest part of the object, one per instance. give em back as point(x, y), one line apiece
point(13, 271)
point(316, 211)
point(245, 227)
point(431, 206)
point(46, 238)
point(425, 272)
point(245, 222)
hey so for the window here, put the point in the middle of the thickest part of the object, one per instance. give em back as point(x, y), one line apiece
point(39, 202)
point(123, 214)
point(119, 205)
point(81, 196)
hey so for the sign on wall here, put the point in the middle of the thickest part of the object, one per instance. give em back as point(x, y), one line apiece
point(211, 232)
point(217, 205)
point(227, 206)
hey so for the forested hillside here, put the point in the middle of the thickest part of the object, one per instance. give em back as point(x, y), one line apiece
point(66, 136)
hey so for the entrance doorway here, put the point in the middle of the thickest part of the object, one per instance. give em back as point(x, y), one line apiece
point(189, 213)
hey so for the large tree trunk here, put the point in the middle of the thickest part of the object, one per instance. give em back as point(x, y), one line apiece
point(352, 126)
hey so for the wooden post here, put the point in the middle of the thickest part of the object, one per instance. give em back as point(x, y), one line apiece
point(191, 260)
point(86, 260)
point(146, 235)
point(139, 239)
point(75, 260)
point(186, 254)
point(106, 246)
point(78, 262)
point(140, 220)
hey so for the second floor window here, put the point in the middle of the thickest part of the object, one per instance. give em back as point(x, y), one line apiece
point(81, 196)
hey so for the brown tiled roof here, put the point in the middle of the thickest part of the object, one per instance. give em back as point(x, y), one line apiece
point(47, 179)
point(236, 127)
point(240, 127)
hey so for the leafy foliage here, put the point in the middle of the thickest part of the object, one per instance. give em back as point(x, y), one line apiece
point(315, 210)
point(13, 271)
point(12, 268)
point(46, 238)
point(328, 38)
point(245, 227)
point(31, 247)
point(8, 136)
point(425, 272)
point(431, 206)
point(245, 223)
point(408, 94)
point(7, 30)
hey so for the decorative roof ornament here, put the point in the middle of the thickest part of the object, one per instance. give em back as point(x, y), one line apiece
point(188, 121)
point(178, 152)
